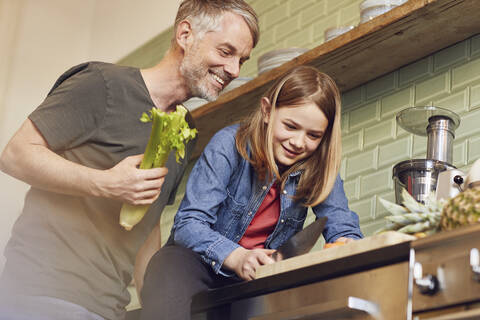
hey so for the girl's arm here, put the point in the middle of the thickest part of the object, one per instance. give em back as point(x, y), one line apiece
point(342, 222)
point(206, 191)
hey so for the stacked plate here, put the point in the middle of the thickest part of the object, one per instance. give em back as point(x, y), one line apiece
point(195, 102)
point(275, 58)
point(236, 83)
point(369, 9)
point(331, 33)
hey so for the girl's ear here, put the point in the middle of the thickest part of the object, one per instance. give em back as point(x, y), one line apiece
point(183, 33)
point(266, 108)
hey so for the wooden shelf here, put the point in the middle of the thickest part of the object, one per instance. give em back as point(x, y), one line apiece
point(405, 34)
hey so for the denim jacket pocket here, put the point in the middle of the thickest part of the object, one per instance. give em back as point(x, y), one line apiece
point(231, 213)
point(295, 224)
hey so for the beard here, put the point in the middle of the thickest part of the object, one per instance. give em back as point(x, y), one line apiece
point(195, 74)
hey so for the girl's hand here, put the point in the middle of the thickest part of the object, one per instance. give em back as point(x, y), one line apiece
point(244, 262)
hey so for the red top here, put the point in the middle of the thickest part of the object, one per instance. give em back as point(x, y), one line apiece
point(263, 224)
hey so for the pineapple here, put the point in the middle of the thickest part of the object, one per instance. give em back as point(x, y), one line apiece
point(413, 217)
point(422, 220)
point(463, 209)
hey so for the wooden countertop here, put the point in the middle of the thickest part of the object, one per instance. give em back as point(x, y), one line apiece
point(403, 35)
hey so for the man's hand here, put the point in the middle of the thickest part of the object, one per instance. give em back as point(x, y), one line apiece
point(244, 262)
point(132, 185)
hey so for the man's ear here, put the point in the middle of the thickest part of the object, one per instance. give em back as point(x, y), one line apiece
point(183, 33)
point(266, 108)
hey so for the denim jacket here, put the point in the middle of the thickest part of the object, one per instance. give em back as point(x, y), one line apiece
point(223, 194)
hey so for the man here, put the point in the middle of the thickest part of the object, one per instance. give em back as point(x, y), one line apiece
point(68, 257)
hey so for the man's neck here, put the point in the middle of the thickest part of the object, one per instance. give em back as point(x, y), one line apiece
point(165, 83)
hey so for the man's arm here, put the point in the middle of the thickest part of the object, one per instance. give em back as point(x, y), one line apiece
point(27, 157)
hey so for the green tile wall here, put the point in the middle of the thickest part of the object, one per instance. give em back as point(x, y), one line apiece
point(373, 142)
point(449, 78)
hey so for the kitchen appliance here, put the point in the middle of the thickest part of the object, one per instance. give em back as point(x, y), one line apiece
point(419, 176)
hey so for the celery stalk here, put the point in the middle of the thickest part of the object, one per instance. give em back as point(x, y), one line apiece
point(169, 132)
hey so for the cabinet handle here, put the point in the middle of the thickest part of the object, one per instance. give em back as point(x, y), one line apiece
point(428, 284)
point(475, 263)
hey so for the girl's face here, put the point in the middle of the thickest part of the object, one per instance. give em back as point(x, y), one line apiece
point(297, 131)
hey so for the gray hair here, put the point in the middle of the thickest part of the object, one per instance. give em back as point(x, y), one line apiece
point(206, 15)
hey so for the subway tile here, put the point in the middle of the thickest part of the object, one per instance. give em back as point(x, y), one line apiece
point(469, 125)
point(320, 26)
point(301, 39)
point(345, 122)
point(352, 97)
point(369, 229)
point(352, 142)
point(349, 14)
point(343, 168)
point(378, 133)
point(414, 71)
point(313, 13)
point(298, 5)
point(375, 182)
point(364, 209)
point(475, 97)
point(361, 116)
point(474, 149)
point(261, 7)
point(457, 102)
point(432, 88)
point(267, 41)
point(475, 46)
point(361, 162)
point(380, 85)
point(274, 16)
point(337, 5)
point(287, 27)
point(459, 153)
point(393, 103)
point(351, 188)
point(466, 73)
point(451, 55)
point(419, 146)
point(396, 151)
point(380, 211)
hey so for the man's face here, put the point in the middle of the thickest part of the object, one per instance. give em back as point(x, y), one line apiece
point(212, 61)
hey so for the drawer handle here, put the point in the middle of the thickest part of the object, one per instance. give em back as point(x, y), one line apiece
point(349, 308)
point(428, 284)
point(475, 263)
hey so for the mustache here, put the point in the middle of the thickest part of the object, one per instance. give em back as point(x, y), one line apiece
point(222, 74)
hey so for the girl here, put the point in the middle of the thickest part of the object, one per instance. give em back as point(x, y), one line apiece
point(249, 192)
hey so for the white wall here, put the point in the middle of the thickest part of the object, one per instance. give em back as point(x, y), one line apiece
point(39, 39)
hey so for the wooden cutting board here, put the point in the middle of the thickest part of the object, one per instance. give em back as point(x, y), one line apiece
point(366, 244)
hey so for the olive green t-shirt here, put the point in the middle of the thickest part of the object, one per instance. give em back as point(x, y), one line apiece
point(73, 248)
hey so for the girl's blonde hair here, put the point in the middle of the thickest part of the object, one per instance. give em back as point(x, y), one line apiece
point(301, 85)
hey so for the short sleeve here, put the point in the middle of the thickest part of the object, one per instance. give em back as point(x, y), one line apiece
point(74, 108)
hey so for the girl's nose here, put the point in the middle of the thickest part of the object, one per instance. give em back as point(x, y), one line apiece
point(298, 141)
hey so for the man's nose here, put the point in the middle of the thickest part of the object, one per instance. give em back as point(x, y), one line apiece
point(233, 67)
